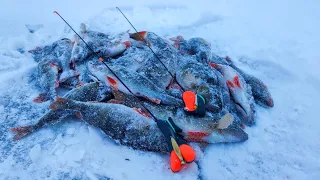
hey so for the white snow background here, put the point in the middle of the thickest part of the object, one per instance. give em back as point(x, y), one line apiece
point(276, 41)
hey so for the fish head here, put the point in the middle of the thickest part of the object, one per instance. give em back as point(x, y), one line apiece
point(139, 36)
point(98, 70)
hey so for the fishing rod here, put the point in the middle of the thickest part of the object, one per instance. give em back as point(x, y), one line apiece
point(101, 60)
point(145, 41)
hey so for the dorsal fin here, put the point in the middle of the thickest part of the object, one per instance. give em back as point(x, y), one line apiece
point(225, 121)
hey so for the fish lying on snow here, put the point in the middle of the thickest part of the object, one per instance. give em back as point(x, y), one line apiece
point(202, 80)
point(94, 91)
point(119, 122)
point(99, 42)
point(240, 92)
point(138, 84)
point(259, 90)
point(212, 128)
point(208, 129)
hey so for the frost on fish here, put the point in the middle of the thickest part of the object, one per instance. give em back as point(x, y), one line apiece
point(158, 73)
point(202, 80)
point(240, 92)
point(48, 81)
point(152, 39)
point(137, 83)
point(260, 91)
point(194, 46)
point(121, 123)
point(94, 91)
point(58, 50)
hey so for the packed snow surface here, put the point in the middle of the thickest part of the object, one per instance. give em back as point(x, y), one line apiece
point(276, 41)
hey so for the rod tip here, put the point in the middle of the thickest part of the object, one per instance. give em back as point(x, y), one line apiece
point(55, 12)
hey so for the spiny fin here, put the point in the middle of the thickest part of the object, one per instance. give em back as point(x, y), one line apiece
point(79, 115)
point(141, 112)
point(112, 81)
point(41, 98)
point(177, 149)
point(225, 121)
point(58, 102)
point(237, 81)
point(21, 132)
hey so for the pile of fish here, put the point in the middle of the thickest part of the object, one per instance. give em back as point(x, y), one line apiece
point(98, 97)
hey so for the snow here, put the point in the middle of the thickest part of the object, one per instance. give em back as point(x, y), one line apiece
point(276, 41)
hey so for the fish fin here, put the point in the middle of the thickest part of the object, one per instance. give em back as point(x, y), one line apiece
point(137, 36)
point(170, 83)
point(214, 65)
point(118, 95)
point(141, 112)
point(228, 59)
point(115, 101)
point(59, 103)
point(230, 84)
point(112, 82)
point(34, 50)
point(237, 81)
point(154, 100)
point(127, 43)
point(196, 136)
point(83, 28)
point(93, 78)
point(41, 98)
point(79, 115)
point(225, 121)
point(79, 85)
point(21, 132)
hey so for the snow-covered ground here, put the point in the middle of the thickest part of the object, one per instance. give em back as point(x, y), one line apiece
point(277, 41)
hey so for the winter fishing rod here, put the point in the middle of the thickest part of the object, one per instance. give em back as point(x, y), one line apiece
point(101, 60)
point(145, 41)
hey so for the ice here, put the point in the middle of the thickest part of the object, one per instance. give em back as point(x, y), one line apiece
point(276, 41)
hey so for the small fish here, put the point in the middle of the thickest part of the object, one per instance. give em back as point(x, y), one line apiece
point(208, 129)
point(259, 90)
point(240, 92)
point(59, 51)
point(138, 84)
point(194, 46)
point(119, 122)
point(201, 79)
point(113, 50)
point(94, 91)
point(48, 81)
point(34, 28)
point(225, 121)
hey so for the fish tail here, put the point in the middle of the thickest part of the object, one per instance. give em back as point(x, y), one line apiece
point(61, 103)
point(21, 132)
